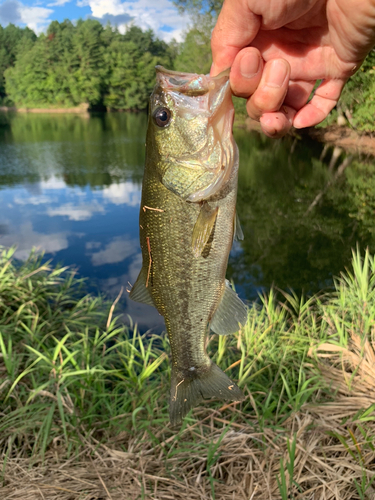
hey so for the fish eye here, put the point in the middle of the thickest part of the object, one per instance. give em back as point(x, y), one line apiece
point(162, 117)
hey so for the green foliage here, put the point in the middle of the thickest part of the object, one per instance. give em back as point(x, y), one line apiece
point(98, 155)
point(73, 375)
point(131, 61)
point(195, 51)
point(361, 190)
point(198, 6)
point(286, 243)
point(358, 96)
point(86, 63)
point(284, 485)
point(12, 41)
point(67, 361)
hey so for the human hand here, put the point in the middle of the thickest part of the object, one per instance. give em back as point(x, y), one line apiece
point(278, 49)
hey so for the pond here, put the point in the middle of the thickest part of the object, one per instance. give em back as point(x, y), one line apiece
point(71, 187)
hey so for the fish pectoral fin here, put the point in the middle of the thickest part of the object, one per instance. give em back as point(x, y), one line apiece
point(237, 233)
point(141, 293)
point(231, 313)
point(203, 228)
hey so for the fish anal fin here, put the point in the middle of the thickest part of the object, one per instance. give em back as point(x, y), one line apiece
point(237, 233)
point(188, 391)
point(231, 313)
point(203, 228)
point(141, 293)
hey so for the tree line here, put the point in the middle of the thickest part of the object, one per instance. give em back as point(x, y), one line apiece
point(80, 63)
point(89, 63)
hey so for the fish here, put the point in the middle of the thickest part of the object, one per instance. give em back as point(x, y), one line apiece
point(187, 225)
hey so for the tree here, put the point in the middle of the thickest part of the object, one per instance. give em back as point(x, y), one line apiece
point(12, 40)
point(131, 60)
point(200, 6)
point(194, 54)
point(86, 63)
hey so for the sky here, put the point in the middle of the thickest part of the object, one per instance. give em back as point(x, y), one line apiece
point(159, 15)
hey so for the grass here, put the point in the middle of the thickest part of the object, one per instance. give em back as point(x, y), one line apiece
point(83, 399)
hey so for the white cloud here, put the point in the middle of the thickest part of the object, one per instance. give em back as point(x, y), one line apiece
point(91, 245)
point(36, 18)
point(53, 183)
point(13, 11)
point(117, 250)
point(145, 13)
point(32, 200)
point(154, 14)
point(125, 193)
point(58, 3)
point(26, 238)
point(76, 212)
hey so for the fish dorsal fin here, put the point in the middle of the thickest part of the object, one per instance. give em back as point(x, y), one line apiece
point(230, 314)
point(203, 228)
point(141, 293)
point(238, 233)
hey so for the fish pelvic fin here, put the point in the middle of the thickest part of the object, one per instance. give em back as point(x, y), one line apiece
point(190, 387)
point(140, 292)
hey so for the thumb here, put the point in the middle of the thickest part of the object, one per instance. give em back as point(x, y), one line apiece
point(236, 28)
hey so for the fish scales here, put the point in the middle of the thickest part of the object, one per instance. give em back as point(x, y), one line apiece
point(186, 231)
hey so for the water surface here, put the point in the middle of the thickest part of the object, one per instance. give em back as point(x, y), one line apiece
point(70, 186)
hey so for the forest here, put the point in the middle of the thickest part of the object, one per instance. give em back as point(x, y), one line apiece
point(88, 63)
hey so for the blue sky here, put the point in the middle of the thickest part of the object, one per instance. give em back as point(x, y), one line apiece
point(159, 15)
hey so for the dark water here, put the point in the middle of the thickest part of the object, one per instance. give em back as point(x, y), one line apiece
point(71, 186)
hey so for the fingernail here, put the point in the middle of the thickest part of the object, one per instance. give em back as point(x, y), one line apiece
point(249, 65)
point(276, 74)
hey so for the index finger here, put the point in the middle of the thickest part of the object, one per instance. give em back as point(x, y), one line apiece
point(236, 28)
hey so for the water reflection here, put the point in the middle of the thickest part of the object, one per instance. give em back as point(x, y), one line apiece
point(298, 213)
point(96, 152)
point(71, 186)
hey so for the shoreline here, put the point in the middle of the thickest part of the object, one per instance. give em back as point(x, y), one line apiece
point(343, 137)
point(335, 135)
point(84, 445)
point(82, 109)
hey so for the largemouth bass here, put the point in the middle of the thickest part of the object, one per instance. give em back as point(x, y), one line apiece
point(187, 226)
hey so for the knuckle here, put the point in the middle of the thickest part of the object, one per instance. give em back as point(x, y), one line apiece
point(267, 101)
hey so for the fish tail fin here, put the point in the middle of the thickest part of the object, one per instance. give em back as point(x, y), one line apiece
point(191, 387)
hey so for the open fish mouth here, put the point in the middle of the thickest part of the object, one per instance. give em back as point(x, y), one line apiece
point(201, 95)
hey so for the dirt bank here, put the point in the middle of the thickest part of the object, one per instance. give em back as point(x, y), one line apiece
point(81, 109)
point(342, 137)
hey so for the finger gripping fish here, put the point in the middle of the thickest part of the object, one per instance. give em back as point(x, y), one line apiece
point(187, 226)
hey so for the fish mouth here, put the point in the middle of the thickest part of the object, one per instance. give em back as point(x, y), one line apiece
point(211, 96)
point(190, 84)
